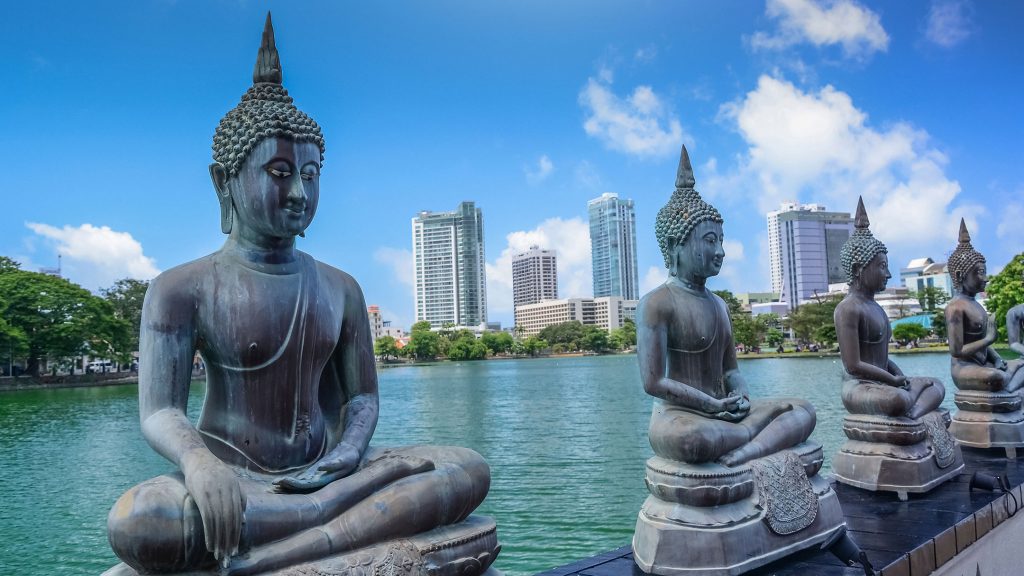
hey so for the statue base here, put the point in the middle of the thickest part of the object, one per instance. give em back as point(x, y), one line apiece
point(464, 549)
point(901, 455)
point(989, 420)
point(749, 525)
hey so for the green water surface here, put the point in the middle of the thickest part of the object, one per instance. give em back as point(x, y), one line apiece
point(566, 439)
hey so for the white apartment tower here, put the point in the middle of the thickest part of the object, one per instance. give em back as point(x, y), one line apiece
point(534, 278)
point(804, 241)
point(613, 246)
point(448, 257)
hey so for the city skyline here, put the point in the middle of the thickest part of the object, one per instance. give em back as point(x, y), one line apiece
point(531, 109)
point(448, 258)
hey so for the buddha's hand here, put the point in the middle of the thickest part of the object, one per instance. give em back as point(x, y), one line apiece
point(214, 488)
point(338, 463)
point(900, 381)
point(990, 329)
point(732, 408)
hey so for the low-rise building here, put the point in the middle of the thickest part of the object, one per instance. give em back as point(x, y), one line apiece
point(607, 312)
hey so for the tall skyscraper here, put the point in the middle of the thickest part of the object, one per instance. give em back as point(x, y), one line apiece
point(448, 256)
point(613, 246)
point(534, 278)
point(804, 241)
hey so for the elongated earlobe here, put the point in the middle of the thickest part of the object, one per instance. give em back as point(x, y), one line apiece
point(219, 175)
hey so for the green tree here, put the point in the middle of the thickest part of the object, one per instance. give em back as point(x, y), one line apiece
point(774, 337)
point(1005, 290)
point(825, 334)
point(497, 342)
point(467, 347)
point(421, 326)
point(809, 320)
point(533, 345)
point(931, 298)
point(385, 348)
point(625, 335)
point(730, 301)
point(594, 339)
point(749, 330)
point(939, 324)
point(423, 344)
point(908, 332)
point(126, 297)
point(568, 334)
point(54, 318)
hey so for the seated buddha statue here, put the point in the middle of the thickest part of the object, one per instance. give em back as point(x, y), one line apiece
point(718, 452)
point(897, 439)
point(990, 405)
point(1015, 329)
point(278, 471)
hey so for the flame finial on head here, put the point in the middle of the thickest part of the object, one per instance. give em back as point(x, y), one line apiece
point(268, 62)
point(862, 246)
point(684, 174)
point(963, 258)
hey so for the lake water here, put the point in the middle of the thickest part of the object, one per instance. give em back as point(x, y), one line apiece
point(566, 439)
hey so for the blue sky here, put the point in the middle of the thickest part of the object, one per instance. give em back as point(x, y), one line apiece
point(530, 108)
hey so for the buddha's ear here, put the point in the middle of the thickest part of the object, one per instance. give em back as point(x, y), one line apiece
point(219, 176)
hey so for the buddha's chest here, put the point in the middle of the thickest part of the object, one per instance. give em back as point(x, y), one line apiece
point(695, 328)
point(874, 326)
point(252, 323)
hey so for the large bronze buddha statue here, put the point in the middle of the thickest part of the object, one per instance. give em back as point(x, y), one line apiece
point(734, 481)
point(990, 413)
point(278, 472)
point(897, 437)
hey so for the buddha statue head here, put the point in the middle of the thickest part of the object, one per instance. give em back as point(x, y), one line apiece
point(246, 139)
point(966, 265)
point(684, 218)
point(864, 258)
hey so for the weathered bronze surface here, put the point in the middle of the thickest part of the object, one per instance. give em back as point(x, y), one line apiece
point(990, 406)
point(717, 503)
point(897, 438)
point(278, 474)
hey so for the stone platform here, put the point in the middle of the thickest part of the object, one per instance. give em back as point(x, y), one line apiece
point(912, 538)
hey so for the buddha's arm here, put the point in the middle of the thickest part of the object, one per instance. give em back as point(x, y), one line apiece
point(1013, 322)
point(166, 347)
point(358, 372)
point(955, 332)
point(848, 335)
point(652, 347)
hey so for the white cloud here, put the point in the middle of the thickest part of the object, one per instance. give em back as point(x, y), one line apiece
point(400, 263)
point(1008, 229)
point(654, 277)
point(949, 23)
point(540, 173)
point(820, 143)
point(639, 124)
point(96, 257)
point(569, 238)
point(646, 54)
point(846, 23)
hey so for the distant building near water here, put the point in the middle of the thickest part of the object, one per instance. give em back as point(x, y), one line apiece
point(749, 299)
point(804, 241)
point(534, 277)
point(609, 313)
point(613, 246)
point(923, 273)
point(450, 281)
point(380, 327)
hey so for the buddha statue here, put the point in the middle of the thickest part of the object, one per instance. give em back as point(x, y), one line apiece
point(1015, 328)
point(897, 438)
point(278, 474)
point(733, 483)
point(990, 413)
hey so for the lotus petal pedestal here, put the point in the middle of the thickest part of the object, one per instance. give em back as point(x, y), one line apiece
point(897, 454)
point(712, 520)
point(989, 420)
point(464, 549)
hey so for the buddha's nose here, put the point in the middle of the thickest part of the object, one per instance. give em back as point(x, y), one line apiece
point(296, 193)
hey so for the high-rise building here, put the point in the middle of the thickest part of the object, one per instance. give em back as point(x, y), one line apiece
point(450, 276)
point(804, 241)
point(534, 277)
point(613, 246)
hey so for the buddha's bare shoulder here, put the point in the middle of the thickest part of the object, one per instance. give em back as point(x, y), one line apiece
point(181, 284)
point(652, 306)
point(339, 280)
